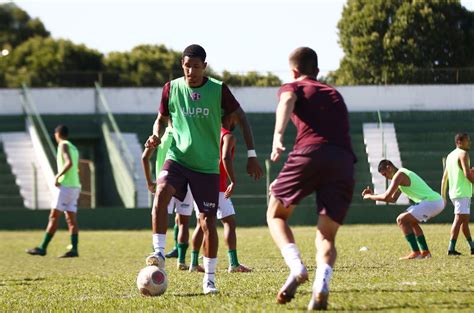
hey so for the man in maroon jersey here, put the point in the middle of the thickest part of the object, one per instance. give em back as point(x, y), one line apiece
point(322, 161)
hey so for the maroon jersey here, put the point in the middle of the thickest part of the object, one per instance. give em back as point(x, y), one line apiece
point(223, 173)
point(228, 103)
point(320, 115)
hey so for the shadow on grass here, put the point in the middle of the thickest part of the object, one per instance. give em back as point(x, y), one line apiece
point(21, 281)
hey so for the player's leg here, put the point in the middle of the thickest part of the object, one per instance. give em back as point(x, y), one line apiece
point(71, 220)
point(51, 228)
point(196, 243)
point(210, 246)
point(455, 227)
point(205, 191)
point(406, 223)
point(326, 254)
point(183, 239)
point(277, 216)
point(174, 252)
point(230, 238)
point(466, 231)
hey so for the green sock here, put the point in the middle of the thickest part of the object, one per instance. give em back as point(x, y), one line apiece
point(194, 258)
point(452, 245)
point(422, 243)
point(47, 238)
point(182, 247)
point(469, 241)
point(175, 235)
point(233, 258)
point(74, 241)
point(412, 242)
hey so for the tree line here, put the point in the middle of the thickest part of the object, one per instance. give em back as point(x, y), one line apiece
point(29, 54)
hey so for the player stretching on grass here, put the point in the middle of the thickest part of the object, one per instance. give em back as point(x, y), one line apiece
point(183, 209)
point(66, 195)
point(460, 178)
point(428, 204)
point(322, 161)
point(195, 104)
point(225, 210)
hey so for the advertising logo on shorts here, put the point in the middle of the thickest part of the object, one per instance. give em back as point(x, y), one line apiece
point(210, 205)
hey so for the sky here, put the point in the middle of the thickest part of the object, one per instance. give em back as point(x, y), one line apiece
point(239, 36)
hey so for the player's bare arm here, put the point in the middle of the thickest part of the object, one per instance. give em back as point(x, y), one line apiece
point(392, 193)
point(444, 185)
point(67, 163)
point(146, 155)
point(228, 143)
point(253, 167)
point(159, 127)
point(464, 161)
point(283, 113)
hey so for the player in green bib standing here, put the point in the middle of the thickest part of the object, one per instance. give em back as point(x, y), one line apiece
point(66, 194)
point(428, 204)
point(459, 177)
point(195, 104)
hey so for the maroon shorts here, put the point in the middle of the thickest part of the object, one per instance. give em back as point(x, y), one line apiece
point(326, 170)
point(204, 187)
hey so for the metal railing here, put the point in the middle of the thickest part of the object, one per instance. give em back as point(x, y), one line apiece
point(34, 118)
point(123, 165)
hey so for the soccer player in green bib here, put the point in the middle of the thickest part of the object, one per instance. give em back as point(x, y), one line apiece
point(428, 204)
point(459, 177)
point(195, 104)
point(66, 194)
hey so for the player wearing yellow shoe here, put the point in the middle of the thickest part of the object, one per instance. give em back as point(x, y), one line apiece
point(428, 204)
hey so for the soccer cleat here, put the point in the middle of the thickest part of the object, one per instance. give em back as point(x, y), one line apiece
point(239, 269)
point(425, 254)
point(172, 254)
point(36, 251)
point(412, 255)
point(454, 252)
point(156, 259)
point(70, 254)
point(196, 268)
point(181, 266)
point(208, 287)
point(288, 290)
point(319, 301)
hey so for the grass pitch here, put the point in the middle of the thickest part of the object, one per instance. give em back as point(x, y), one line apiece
point(103, 277)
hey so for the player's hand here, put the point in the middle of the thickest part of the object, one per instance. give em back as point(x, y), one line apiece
point(366, 192)
point(277, 151)
point(230, 189)
point(56, 181)
point(254, 169)
point(152, 187)
point(152, 142)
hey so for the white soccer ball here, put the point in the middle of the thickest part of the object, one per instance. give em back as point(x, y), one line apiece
point(152, 281)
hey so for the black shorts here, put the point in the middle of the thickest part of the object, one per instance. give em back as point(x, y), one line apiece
point(326, 170)
point(204, 187)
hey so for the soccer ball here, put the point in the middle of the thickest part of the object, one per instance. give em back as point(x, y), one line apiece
point(152, 281)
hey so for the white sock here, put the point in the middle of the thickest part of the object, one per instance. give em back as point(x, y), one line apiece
point(209, 268)
point(159, 243)
point(322, 278)
point(292, 259)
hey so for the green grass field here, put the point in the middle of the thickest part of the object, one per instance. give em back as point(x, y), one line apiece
point(103, 277)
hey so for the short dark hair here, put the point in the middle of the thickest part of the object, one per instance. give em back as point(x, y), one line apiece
point(384, 163)
point(460, 137)
point(195, 51)
point(62, 130)
point(305, 60)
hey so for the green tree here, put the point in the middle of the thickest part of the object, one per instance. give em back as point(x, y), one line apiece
point(16, 26)
point(145, 65)
point(250, 79)
point(393, 41)
point(46, 62)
